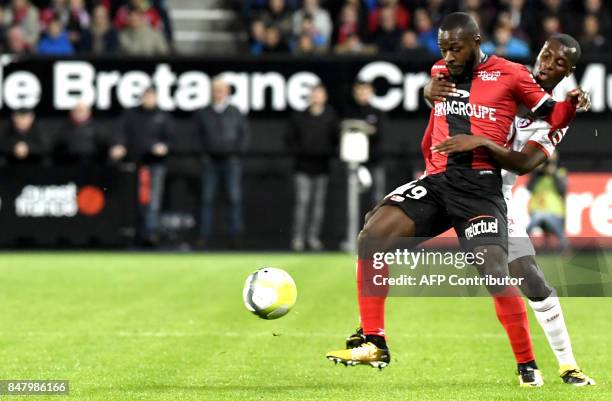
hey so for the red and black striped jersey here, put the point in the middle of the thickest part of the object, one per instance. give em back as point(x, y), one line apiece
point(487, 105)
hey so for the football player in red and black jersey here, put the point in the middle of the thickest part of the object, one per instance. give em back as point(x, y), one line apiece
point(463, 190)
point(532, 142)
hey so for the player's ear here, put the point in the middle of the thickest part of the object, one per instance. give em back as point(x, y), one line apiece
point(571, 71)
point(477, 38)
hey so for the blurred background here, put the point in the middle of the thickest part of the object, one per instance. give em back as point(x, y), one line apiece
point(211, 124)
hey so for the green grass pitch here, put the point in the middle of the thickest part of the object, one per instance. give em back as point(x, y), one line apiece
point(173, 327)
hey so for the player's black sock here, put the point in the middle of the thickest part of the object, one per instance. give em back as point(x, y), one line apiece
point(530, 364)
point(379, 341)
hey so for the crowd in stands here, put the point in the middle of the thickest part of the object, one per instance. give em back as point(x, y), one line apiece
point(511, 28)
point(99, 27)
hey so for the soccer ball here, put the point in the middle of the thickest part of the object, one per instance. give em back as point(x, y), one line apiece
point(269, 293)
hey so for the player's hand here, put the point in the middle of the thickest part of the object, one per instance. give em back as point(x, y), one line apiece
point(21, 150)
point(160, 149)
point(459, 143)
point(117, 152)
point(580, 98)
point(438, 89)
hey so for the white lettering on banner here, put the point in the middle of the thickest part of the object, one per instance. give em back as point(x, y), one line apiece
point(276, 83)
point(193, 91)
point(389, 72)
point(80, 81)
point(72, 84)
point(105, 83)
point(22, 90)
point(47, 201)
point(413, 82)
point(588, 208)
point(299, 88)
point(164, 79)
point(601, 212)
point(594, 82)
point(576, 204)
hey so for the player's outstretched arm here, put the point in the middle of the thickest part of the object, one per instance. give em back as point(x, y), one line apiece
point(521, 162)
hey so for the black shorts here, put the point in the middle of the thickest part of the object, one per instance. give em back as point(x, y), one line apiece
point(470, 201)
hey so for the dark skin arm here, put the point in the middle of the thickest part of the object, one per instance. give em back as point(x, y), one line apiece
point(521, 162)
point(438, 89)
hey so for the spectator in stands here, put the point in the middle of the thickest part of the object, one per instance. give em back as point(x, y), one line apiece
point(437, 9)
point(410, 46)
point(55, 41)
point(361, 109)
point(58, 9)
point(16, 42)
point(312, 139)
point(249, 8)
point(277, 14)
point(361, 10)
point(78, 23)
point(79, 140)
point(146, 133)
point(506, 45)
point(400, 14)
point(162, 9)
point(349, 24)
point(485, 13)
point(24, 14)
point(519, 18)
point(24, 141)
point(140, 39)
point(504, 20)
point(273, 41)
point(102, 38)
point(592, 39)
point(304, 45)
point(548, 186)
point(427, 33)
point(320, 18)
point(258, 37)
point(317, 38)
point(354, 45)
point(550, 25)
point(3, 27)
point(388, 36)
point(150, 14)
point(597, 8)
point(567, 20)
point(225, 135)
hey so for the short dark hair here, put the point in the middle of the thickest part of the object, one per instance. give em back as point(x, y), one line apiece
point(460, 20)
point(575, 52)
point(319, 85)
point(149, 89)
point(23, 110)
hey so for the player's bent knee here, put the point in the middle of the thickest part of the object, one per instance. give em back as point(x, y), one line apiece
point(533, 285)
point(495, 260)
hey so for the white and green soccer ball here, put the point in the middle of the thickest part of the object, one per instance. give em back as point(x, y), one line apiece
point(269, 293)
